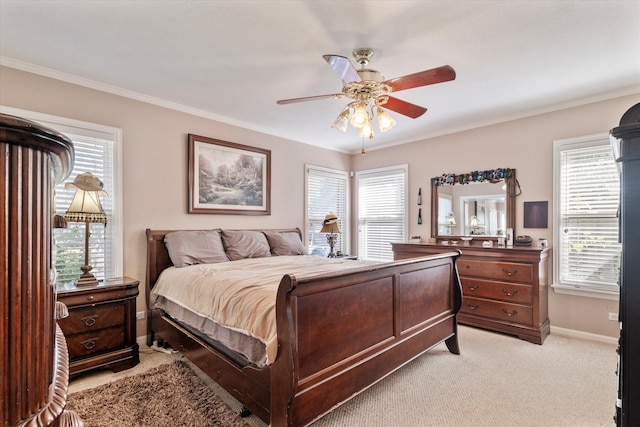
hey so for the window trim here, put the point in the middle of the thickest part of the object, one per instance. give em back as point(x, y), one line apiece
point(358, 175)
point(345, 222)
point(72, 126)
point(560, 145)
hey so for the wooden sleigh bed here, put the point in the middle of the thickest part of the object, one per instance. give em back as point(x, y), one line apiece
point(337, 333)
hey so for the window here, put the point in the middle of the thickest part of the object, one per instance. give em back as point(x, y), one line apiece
point(587, 190)
point(445, 205)
point(327, 191)
point(93, 155)
point(97, 150)
point(382, 211)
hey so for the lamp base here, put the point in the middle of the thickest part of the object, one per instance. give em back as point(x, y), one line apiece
point(87, 279)
point(331, 239)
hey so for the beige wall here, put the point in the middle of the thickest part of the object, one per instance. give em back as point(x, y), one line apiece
point(155, 168)
point(526, 145)
point(154, 146)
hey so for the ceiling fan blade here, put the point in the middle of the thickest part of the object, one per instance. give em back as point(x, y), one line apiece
point(343, 67)
point(405, 108)
point(423, 78)
point(309, 98)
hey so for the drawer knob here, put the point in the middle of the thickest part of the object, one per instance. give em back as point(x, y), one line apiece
point(90, 298)
point(473, 287)
point(509, 294)
point(90, 320)
point(510, 273)
point(513, 312)
point(473, 307)
point(90, 343)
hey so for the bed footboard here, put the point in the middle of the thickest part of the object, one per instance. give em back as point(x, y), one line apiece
point(339, 334)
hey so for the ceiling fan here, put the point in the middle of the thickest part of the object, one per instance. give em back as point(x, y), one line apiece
point(369, 89)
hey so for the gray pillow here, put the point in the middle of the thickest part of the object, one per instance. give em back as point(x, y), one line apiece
point(240, 244)
point(195, 247)
point(285, 243)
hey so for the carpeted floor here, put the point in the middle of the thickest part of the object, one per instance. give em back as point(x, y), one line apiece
point(167, 395)
point(496, 380)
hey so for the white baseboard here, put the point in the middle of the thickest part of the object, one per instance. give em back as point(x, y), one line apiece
point(142, 340)
point(587, 336)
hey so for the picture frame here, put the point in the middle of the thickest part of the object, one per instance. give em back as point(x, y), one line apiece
point(536, 214)
point(228, 178)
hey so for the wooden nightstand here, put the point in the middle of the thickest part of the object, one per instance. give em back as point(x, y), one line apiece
point(101, 327)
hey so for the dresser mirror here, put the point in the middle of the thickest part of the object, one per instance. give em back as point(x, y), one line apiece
point(477, 203)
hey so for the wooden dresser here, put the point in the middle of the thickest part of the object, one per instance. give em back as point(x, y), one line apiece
point(504, 289)
point(101, 327)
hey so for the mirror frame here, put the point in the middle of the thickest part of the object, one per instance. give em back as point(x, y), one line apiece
point(510, 202)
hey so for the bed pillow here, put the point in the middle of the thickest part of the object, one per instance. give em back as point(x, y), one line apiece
point(285, 243)
point(240, 244)
point(195, 247)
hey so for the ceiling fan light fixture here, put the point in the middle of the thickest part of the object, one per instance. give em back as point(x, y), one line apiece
point(342, 121)
point(366, 130)
point(360, 116)
point(385, 121)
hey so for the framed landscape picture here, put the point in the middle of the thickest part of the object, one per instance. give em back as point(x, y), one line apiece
point(228, 178)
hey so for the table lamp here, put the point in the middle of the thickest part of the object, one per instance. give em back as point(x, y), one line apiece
point(330, 225)
point(86, 207)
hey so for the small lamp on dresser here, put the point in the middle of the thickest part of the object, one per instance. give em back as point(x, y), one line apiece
point(474, 224)
point(330, 226)
point(451, 223)
point(86, 207)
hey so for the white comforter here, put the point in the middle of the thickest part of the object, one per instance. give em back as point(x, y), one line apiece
point(241, 295)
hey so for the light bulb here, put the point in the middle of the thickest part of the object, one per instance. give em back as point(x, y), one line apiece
point(385, 121)
point(367, 130)
point(360, 116)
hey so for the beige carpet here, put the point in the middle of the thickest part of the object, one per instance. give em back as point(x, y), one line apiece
point(497, 380)
point(168, 395)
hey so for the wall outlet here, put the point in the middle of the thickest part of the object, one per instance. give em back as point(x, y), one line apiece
point(613, 316)
point(140, 315)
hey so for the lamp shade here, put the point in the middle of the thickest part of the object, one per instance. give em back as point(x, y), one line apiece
point(451, 219)
point(330, 224)
point(86, 205)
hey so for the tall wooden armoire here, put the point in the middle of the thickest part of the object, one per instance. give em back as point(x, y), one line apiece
point(626, 138)
point(34, 370)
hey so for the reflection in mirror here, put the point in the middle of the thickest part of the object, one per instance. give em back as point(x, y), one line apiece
point(465, 206)
point(484, 215)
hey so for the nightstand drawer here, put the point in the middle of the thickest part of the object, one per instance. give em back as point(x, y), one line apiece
point(512, 313)
point(504, 291)
point(93, 318)
point(88, 343)
point(508, 271)
point(97, 295)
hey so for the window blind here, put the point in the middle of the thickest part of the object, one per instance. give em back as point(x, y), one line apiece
point(326, 192)
point(589, 188)
point(382, 212)
point(93, 155)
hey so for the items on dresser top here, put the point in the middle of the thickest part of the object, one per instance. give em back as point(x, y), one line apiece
point(504, 289)
point(101, 326)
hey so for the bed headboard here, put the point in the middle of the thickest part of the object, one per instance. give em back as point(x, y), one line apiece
point(158, 256)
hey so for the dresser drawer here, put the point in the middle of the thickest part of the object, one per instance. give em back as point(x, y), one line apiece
point(496, 310)
point(93, 318)
point(503, 291)
point(88, 343)
point(509, 271)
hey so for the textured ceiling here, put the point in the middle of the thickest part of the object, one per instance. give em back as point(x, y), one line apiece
point(232, 60)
